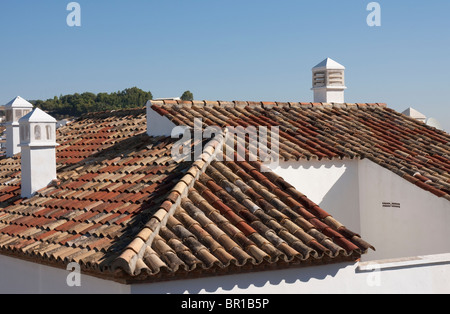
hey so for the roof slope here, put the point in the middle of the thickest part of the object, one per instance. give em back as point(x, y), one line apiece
point(411, 149)
point(111, 177)
point(235, 218)
point(125, 210)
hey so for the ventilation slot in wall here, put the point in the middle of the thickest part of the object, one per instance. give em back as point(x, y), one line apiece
point(390, 205)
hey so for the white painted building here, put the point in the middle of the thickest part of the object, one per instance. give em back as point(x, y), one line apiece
point(406, 224)
point(376, 203)
point(419, 274)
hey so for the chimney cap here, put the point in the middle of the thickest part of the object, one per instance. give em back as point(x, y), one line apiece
point(413, 113)
point(328, 82)
point(329, 64)
point(37, 115)
point(18, 102)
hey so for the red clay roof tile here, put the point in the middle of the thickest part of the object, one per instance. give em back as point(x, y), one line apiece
point(104, 158)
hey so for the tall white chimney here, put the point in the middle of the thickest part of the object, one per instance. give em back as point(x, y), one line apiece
point(329, 82)
point(38, 144)
point(15, 109)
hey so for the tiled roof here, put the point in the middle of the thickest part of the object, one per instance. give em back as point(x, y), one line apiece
point(308, 131)
point(232, 217)
point(125, 210)
point(111, 177)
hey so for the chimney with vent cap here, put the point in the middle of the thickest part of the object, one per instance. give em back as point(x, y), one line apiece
point(15, 109)
point(329, 82)
point(38, 144)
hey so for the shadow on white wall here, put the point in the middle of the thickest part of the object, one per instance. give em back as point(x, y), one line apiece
point(275, 281)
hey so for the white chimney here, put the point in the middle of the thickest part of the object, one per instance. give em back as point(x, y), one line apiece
point(38, 144)
point(329, 82)
point(15, 109)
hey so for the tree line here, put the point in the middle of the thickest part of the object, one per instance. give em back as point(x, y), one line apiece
point(77, 104)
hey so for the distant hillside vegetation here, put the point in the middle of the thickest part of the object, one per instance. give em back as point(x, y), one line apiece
point(77, 104)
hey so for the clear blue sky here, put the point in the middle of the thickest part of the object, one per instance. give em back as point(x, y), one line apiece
point(228, 50)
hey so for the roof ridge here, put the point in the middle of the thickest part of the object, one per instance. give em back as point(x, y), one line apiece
point(131, 257)
point(265, 104)
point(314, 131)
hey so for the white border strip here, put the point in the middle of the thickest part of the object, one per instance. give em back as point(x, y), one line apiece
point(414, 261)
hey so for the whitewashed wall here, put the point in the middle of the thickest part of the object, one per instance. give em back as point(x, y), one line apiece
point(419, 227)
point(332, 184)
point(426, 274)
point(22, 277)
point(353, 191)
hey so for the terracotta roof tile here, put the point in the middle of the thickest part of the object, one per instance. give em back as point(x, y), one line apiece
point(90, 182)
point(217, 213)
point(316, 131)
point(125, 210)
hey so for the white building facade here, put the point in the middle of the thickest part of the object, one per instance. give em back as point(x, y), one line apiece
point(398, 218)
point(407, 225)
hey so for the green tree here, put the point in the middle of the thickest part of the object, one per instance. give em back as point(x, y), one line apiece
point(78, 104)
point(188, 96)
